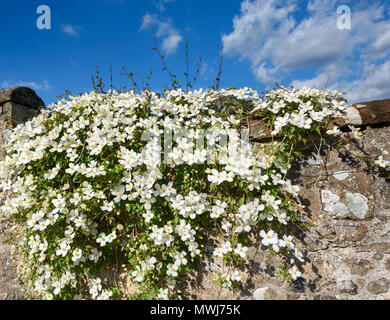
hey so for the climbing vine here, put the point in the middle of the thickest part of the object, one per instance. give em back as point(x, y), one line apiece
point(147, 179)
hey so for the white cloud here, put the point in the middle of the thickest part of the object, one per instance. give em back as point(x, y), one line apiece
point(325, 79)
point(160, 4)
point(267, 33)
point(267, 30)
point(70, 30)
point(381, 45)
point(170, 43)
point(205, 70)
point(257, 22)
point(44, 85)
point(170, 36)
point(264, 74)
point(374, 85)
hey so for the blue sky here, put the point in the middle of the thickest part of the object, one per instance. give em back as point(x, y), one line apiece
point(264, 41)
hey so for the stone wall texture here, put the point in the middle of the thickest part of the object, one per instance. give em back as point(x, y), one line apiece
point(17, 105)
point(346, 238)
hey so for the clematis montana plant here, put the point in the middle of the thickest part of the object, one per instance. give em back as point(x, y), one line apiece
point(147, 179)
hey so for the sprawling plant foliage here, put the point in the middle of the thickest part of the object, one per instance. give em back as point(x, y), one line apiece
point(383, 164)
point(148, 178)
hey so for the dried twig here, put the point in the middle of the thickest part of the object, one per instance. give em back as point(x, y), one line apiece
point(218, 78)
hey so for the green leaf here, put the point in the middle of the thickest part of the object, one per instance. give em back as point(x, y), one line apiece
point(241, 201)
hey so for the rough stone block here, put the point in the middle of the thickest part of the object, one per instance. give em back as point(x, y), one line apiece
point(374, 112)
point(19, 104)
point(379, 286)
point(21, 95)
point(18, 113)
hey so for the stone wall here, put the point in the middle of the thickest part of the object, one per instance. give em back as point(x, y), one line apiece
point(17, 105)
point(347, 234)
point(346, 208)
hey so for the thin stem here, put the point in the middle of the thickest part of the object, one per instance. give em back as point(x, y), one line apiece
point(186, 74)
point(197, 72)
point(218, 79)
